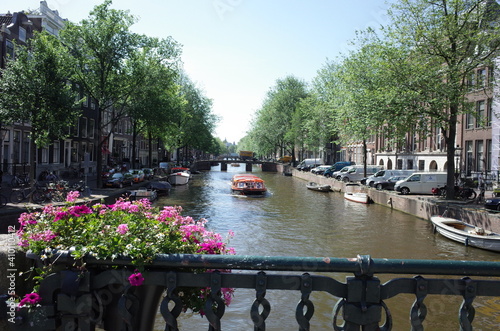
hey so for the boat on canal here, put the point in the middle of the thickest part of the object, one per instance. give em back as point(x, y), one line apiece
point(465, 233)
point(357, 197)
point(318, 187)
point(179, 176)
point(142, 193)
point(245, 184)
point(161, 187)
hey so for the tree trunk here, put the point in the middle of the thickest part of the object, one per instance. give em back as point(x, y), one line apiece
point(450, 153)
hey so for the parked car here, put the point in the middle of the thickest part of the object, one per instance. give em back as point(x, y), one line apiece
point(119, 179)
point(320, 170)
point(357, 173)
point(308, 164)
point(384, 175)
point(492, 203)
point(137, 175)
point(337, 166)
point(389, 183)
point(148, 173)
point(421, 183)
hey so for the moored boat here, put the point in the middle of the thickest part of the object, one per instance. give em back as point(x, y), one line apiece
point(317, 187)
point(142, 193)
point(357, 197)
point(248, 185)
point(465, 233)
point(161, 187)
point(179, 176)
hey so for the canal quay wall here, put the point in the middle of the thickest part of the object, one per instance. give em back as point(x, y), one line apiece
point(422, 206)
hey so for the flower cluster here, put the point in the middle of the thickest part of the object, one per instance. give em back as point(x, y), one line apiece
point(132, 229)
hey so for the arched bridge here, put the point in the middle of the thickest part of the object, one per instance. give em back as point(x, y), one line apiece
point(207, 164)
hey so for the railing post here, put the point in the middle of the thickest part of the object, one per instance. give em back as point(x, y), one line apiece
point(362, 306)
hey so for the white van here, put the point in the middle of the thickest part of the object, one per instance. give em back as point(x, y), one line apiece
point(384, 175)
point(357, 173)
point(421, 183)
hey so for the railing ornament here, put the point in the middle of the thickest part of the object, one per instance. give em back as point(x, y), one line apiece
point(467, 311)
point(418, 311)
point(305, 289)
point(214, 306)
point(170, 315)
point(259, 319)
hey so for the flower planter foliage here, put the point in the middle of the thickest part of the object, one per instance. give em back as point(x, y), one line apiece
point(132, 230)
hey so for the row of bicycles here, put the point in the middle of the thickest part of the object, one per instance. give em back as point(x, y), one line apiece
point(39, 193)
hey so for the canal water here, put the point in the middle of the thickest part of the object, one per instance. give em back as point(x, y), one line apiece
point(294, 221)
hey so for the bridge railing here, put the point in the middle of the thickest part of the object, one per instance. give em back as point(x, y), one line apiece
point(78, 299)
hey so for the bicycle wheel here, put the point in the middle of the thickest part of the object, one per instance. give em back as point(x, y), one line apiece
point(37, 196)
point(17, 196)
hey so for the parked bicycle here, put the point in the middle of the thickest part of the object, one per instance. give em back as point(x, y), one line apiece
point(20, 180)
point(461, 192)
point(29, 193)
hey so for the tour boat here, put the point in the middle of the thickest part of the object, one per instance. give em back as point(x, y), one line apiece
point(465, 233)
point(357, 197)
point(179, 176)
point(248, 185)
point(317, 187)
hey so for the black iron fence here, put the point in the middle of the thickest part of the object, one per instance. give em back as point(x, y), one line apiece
point(80, 300)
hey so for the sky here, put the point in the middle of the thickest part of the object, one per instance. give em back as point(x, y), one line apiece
point(236, 50)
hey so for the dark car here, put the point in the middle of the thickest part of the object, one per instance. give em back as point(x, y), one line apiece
point(148, 173)
point(119, 180)
point(492, 203)
point(389, 183)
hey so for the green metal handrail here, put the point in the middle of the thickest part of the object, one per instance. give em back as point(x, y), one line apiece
point(360, 302)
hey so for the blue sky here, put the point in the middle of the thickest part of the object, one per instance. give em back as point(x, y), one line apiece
point(235, 50)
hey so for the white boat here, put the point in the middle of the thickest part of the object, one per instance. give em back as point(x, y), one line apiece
point(142, 193)
point(465, 233)
point(356, 197)
point(317, 187)
point(179, 176)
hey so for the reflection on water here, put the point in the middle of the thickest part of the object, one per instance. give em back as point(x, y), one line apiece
point(294, 221)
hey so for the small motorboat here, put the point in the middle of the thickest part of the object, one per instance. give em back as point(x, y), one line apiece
point(357, 197)
point(465, 233)
point(161, 187)
point(179, 176)
point(142, 193)
point(317, 187)
point(248, 185)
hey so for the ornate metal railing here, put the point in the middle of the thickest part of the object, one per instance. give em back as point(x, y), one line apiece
point(80, 300)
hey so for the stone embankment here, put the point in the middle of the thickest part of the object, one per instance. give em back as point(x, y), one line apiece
point(422, 206)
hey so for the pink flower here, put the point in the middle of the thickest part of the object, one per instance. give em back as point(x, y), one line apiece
point(136, 279)
point(122, 229)
point(72, 196)
point(77, 211)
point(30, 298)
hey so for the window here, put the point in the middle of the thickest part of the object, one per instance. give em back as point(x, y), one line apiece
point(74, 152)
point(16, 148)
point(421, 165)
point(56, 158)
point(26, 148)
point(45, 154)
point(469, 121)
point(91, 128)
point(22, 34)
point(10, 49)
point(489, 113)
point(488, 154)
point(481, 78)
point(468, 157)
point(480, 161)
point(83, 127)
point(480, 109)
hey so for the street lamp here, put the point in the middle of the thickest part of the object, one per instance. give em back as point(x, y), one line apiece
point(458, 160)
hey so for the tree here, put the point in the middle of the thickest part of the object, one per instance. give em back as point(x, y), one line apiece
point(448, 39)
point(35, 89)
point(100, 46)
point(272, 129)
